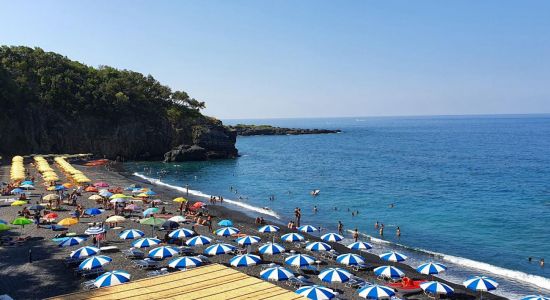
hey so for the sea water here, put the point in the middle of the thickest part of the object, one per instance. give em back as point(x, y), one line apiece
point(472, 192)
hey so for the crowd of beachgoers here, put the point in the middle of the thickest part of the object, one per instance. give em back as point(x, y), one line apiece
point(67, 226)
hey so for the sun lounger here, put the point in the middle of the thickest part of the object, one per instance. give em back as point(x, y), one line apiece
point(88, 285)
point(146, 264)
point(109, 249)
point(360, 267)
point(185, 250)
point(355, 282)
point(309, 270)
point(162, 271)
point(297, 282)
point(88, 273)
point(133, 253)
point(267, 266)
point(69, 261)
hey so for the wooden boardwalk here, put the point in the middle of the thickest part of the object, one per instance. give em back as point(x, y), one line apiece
point(209, 282)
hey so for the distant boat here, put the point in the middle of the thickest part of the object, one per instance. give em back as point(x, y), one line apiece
point(315, 192)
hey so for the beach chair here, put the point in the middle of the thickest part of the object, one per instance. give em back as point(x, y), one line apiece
point(360, 267)
point(147, 264)
point(162, 271)
point(270, 265)
point(185, 250)
point(355, 282)
point(69, 261)
point(133, 253)
point(88, 285)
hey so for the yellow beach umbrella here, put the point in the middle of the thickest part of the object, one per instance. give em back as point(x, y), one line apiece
point(50, 197)
point(143, 195)
point(95, 197)
point(180, 200)
point(119, 196)
point(68, 222)
point(19, 203)
point(51, 188)
point(115, 219)
point(68, 185)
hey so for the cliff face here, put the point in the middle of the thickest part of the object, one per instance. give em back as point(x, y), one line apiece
point(247, 130)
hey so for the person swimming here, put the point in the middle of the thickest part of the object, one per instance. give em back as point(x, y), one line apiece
point(398, 231)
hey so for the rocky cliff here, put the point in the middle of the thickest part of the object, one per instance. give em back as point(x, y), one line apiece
point(247, 130)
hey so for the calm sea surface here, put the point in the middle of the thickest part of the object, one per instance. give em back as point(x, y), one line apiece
point(474, 190)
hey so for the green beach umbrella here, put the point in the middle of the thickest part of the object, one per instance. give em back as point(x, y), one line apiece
point(21, 221)
point(152, 221)
point(4, 227)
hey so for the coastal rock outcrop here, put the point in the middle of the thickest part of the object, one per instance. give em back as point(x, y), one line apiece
point(208, 142)
point(247, 130)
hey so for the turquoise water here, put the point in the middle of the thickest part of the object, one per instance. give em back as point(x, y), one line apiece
point(472, 188)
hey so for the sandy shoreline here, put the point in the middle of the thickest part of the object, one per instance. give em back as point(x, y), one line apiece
point(48, 276)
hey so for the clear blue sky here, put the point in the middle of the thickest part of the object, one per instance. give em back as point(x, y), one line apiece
point(261, 59)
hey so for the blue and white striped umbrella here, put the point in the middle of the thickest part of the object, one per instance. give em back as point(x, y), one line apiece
point(84, 252)
point(318, 246)
point(72, 241)
point(393, 256)
point(360, 246)
point(307, 228)
point(145, 242)
point(431, 268)
point(227, 231)
point(276, 274)
point(184, 262)
point(435, 287)
point(225, 223)
point(335, 275)
point(271, 248)
point(198, 240)
point(332, 237)
point(376, 292)
point(181, 233)
point(350, 259)
point(218, 249)
point(269, 229)
point(94, 262)
point(94, 231)
point(131, 234)
point(481, 284)
point(300, 260)
point(112, 278)
point(163, 252)
point(388, 272)
point(245, 260)
point(316, 292)
point(535, 297)
point(292, 237)
point(248, 240)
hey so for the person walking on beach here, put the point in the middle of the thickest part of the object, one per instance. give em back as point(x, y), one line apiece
point(340, 228)
point(355, 235)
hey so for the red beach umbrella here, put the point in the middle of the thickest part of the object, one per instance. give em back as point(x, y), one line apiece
point(197, 205)
point(51, 216)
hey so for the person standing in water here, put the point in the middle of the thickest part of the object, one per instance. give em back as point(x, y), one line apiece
point(315, 209)
point(398, 232)
point(340, 228)
point(376, 225)
point(381, 229)
point(355, 235)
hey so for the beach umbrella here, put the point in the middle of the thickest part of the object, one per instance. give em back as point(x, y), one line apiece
point(388, 272)
point(101, 184)
point(94, 262)
point(307, 228)
point(130, 234)
point(115, 219)
point(132, 207)
point(118, 200)
point(197, 205)
point(72, 241)
point(116, 196)
point(179, 219)
point(225, 223)
point(17, 191)
point(95, 197)
point(318, 246)
point(271, 248)
point(535, 297)
point(248, 240)
point(21, 221)
point(145, 242)
point(435, 287)
point(180, 200)
point(150, 211)
point(4, 227)
point(360, 246)
point(350, 259)
point(59, 188)
point(300, 260)
point(431, 268)
point(170, 224)
point(181, 233)
point(276, 274)
point(51, 216)
point(292, 237)
point(68, 222)
point(198, 241)
point(92, 211)
point(142, 195)
point(50, 197)
point(106, 194)
point(269, 229)
point(150, 193)
point(27, 186)
point(19, 203)
point(481, 284)
point(332, 237)
point(163, 252)
point(316, 292)
point(245, 260)
point(68, 185)
point(94, 230)
point(393, 256)
point(227, 231)
point(84, 252)
point(3, 222)
point(376, 292)
point(112, 278)
point(184, 262)
point(91, 189)
point(332, 275)
point(27, 182)
point(218, 249)
point(152, 221)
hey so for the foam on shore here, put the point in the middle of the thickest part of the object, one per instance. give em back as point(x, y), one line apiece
point(517, 276)
point(240, 204)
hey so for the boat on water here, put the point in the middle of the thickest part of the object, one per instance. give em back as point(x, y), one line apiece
point(315, 192)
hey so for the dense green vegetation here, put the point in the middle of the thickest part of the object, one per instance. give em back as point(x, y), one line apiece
point(49, 81)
